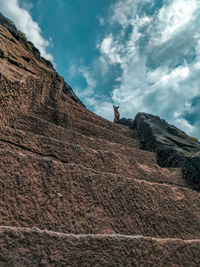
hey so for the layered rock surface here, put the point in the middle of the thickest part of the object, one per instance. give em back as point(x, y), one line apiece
point(76, 189)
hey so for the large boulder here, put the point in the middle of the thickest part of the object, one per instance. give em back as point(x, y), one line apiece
point(174, 148)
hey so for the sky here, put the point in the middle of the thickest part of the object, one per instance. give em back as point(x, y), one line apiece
point(141, 55)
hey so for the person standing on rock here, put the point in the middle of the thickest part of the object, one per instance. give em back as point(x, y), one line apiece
point(116, 114)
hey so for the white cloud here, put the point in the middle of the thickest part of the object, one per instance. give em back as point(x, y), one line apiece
point(104, 108)
point(109, 49)
point(91, 83)
point(26, 24)
point(101, 21)
point(72, 70)
point(174, 17)
point(172, 78)
point(124, 11)
point(102, 61)
point(185, 126)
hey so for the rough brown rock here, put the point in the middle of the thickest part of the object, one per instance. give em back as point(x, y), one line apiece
point(33, 247)
point(76, 189)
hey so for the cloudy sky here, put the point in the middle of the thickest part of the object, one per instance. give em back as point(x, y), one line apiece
point(143, 55)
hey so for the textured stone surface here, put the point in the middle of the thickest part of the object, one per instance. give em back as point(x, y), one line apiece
point(74, 199)
point(33, 247)
point(174, 148)
point(68, 170)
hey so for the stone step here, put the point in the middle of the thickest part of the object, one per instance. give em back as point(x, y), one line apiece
point(79, 126)
point(87, 125)
point(127, 161)
point(82, 113)
point(44, 193)
point(42, 127)
point(36, 247)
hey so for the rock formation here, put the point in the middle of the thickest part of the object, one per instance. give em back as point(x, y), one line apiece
point(76, 189)
point(174, 148)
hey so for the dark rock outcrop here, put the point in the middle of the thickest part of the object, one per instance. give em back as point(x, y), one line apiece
point(174, 148)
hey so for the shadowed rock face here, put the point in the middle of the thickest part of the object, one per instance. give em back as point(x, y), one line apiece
point(174, 148)
point(76, 189)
